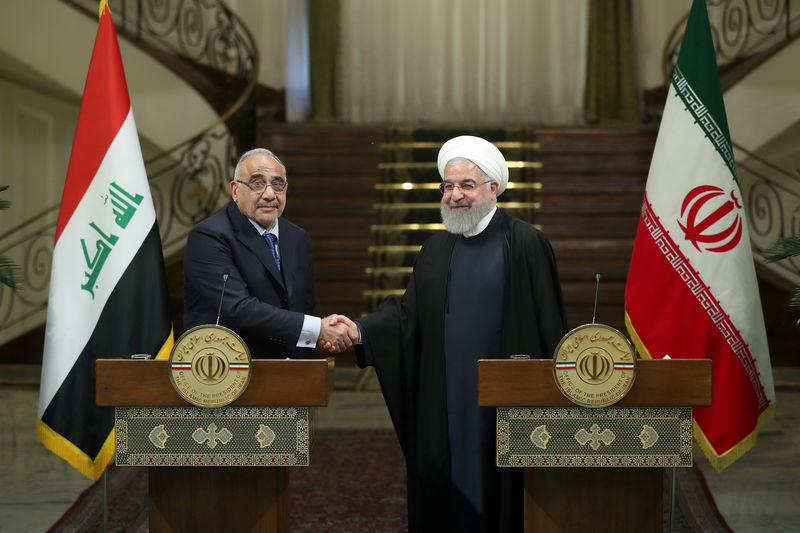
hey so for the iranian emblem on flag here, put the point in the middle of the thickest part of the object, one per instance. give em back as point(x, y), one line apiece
point(705, 207)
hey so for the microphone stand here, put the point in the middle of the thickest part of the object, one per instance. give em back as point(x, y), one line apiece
point(222, 296)
point(597, 275)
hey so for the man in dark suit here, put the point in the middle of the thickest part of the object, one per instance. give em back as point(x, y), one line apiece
point(269, 292)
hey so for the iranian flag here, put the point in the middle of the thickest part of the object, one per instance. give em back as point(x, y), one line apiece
point(691, 289)
point(108, 292)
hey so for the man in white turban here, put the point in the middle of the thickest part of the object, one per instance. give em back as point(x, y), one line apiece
point(463, 213)
point(485, 288)
point(481, 152)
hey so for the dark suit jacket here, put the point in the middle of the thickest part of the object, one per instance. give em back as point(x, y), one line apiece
point(262, 305)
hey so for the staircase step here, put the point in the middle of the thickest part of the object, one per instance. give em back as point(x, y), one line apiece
point(321, 186)
point(591, 141)
point(286, 140)
point(586, 226)
point(321, 164)
point(575, 162)
point(303, 207)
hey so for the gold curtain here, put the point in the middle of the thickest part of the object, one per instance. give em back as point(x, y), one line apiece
point(324, 30)
point(611, 94)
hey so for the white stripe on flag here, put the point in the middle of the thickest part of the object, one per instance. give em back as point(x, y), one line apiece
point(72, 313)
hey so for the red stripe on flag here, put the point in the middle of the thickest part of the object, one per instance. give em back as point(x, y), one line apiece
point(104, 106)
point(669, 320)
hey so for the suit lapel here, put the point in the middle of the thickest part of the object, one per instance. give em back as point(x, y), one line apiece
point(249, 237)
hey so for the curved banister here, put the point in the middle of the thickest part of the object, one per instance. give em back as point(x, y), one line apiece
point(164, 45)
point(189, 180)
point(772, 199)
point(740, 30)
point(774, 168)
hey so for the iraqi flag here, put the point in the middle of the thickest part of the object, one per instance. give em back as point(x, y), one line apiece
point(691, 289)
point(108, 291)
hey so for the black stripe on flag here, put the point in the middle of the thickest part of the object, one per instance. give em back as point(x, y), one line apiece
point(135, 319)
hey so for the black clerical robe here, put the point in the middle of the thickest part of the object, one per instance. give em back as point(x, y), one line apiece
point(405, 338)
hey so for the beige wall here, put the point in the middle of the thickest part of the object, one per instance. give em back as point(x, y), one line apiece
point(653, 20)
point(56, 41)
point(266, 20)
point(35, 142)
point(767, 101)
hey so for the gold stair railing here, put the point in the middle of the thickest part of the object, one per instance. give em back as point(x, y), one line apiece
point(188, 181)
point(772, 200)
point(408, 211)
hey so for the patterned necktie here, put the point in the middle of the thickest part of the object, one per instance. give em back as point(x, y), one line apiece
point(272, 241)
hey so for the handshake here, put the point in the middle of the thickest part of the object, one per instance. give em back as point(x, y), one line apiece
point(337, 333)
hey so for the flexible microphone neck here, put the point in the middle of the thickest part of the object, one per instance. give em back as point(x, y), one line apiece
point(222, 296)
point(597, 275)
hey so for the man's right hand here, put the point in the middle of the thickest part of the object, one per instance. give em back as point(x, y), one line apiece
point(337, 333)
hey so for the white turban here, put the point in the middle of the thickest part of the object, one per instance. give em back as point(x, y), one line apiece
point(481, 152)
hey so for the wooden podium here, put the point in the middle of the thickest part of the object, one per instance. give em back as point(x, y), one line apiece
point(206, 466)
point(594, 469)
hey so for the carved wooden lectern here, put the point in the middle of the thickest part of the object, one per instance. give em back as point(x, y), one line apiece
point(206, 465)
point(594, 469)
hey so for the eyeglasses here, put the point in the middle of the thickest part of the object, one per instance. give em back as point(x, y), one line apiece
point(468, 186)
point(260, 186)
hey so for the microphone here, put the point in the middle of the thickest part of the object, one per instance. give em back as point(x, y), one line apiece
point(598, 273)
point(224, 282)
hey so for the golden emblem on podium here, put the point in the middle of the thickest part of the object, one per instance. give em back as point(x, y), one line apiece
point(594, 365)
point(209, 366)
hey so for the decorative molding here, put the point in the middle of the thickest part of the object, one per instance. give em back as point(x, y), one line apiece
point(226, 436)
point(616, 436)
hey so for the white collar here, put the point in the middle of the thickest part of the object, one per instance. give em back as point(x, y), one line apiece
point(261, 231)
point(481, 225)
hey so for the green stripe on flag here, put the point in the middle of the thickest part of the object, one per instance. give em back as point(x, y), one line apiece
point(705, 119)
point(696, 80)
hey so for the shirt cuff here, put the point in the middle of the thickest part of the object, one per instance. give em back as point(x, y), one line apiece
point(309, 332)
point(360, 334)
point(363, 353)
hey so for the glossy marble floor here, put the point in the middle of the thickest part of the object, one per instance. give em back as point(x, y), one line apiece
point(759, 493)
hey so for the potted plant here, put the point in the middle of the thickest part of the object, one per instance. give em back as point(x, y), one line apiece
point(783, 249)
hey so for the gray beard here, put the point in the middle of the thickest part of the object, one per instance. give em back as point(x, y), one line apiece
point(466, 222)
